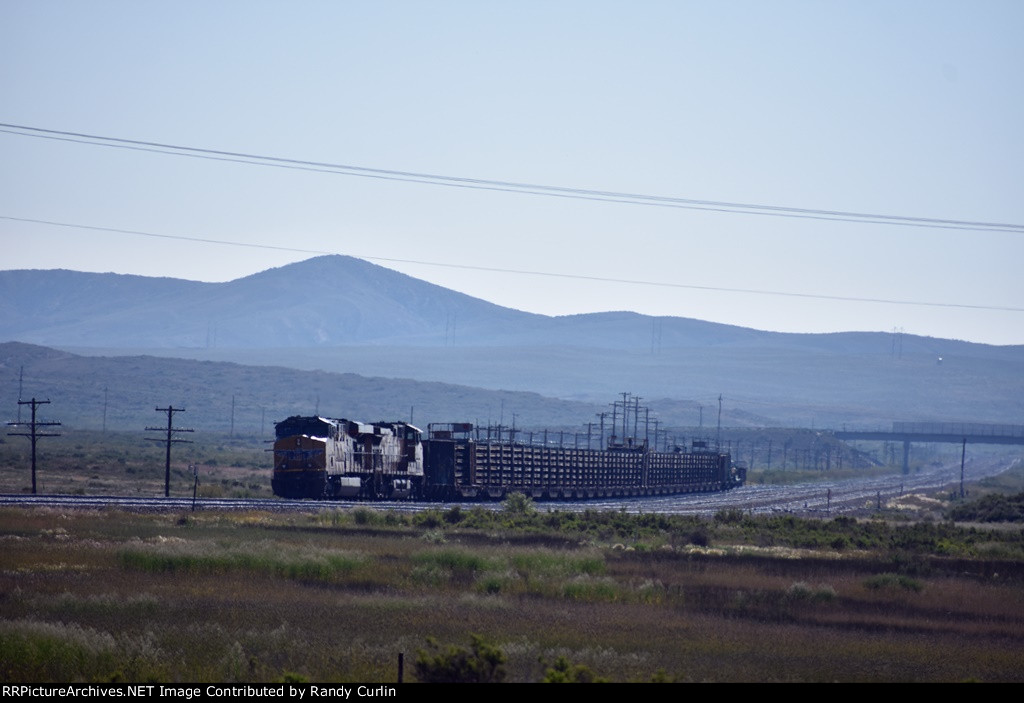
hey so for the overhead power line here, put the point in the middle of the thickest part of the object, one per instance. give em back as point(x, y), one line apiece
point(171, 439)
point(34, 434)
point(494, 269)
point(510, 186)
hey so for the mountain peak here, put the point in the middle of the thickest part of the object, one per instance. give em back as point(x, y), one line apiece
point(336, 300)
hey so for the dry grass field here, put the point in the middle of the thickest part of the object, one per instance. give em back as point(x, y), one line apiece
point(335, 596)
point(80, 462)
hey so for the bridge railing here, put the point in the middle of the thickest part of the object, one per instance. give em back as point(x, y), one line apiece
point(959, 428)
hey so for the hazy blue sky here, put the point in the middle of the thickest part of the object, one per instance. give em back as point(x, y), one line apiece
point(892, 107)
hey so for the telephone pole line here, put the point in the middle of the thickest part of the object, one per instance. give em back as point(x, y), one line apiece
point(170, 429)
point(33, 434)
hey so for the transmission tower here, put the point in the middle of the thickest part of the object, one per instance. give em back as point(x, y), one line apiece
point(170, 429)
point(34, 434)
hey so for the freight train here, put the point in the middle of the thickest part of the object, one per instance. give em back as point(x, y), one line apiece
point(324, 458)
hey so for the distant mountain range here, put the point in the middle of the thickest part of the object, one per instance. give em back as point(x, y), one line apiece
point(329, 300)
point(342, 314)
point(338, 300)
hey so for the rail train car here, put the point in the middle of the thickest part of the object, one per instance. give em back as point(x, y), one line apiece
point(316, 457)
point(459, 467)
point(319, 457)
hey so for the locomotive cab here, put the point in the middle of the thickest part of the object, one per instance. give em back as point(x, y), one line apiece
point(318, 457)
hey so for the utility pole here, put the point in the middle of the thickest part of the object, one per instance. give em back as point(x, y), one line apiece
point(33, 434)
point(636, 418)
point(718, 433)
point(625, 417)
point(963, 457)
point(21, 378)
point(600, 444)
point(170, 410)
point(615, 409)
point(194, 468)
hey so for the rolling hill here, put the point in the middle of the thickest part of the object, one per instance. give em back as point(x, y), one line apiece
point(122, 392)
point(347, 316)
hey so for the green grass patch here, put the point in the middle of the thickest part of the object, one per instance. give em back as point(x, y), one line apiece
point(263, 558)
point(592, 590)
point(990, 508)
point(31, 650)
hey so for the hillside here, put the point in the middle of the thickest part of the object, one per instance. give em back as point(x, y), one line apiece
point(340, 300)
point(127, 389)
point(793, 387)
point(326, 300)
point(348, 316)
point(122, 393)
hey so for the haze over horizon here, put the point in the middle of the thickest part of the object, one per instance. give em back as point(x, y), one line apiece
point(902, 108)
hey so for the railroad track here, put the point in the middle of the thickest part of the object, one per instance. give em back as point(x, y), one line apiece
point(809, 498)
